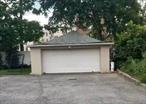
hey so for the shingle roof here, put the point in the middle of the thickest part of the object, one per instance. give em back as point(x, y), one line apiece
point(73, 37)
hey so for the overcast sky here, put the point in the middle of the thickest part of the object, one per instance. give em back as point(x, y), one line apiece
point(40, 18)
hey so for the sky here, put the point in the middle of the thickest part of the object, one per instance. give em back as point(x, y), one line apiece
point(40, 18)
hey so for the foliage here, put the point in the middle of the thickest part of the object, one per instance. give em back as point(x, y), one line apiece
point(16, 7)
point(88, 13)
point(136, 68)
point(14, 29)
point(19, 31)
point(130, 43)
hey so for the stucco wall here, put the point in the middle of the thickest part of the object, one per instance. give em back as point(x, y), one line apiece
point(36, 62)
point(105, 59)
point(36, 59)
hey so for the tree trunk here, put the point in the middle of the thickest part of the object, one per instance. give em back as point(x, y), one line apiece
point(21, 17)
point(21, 47)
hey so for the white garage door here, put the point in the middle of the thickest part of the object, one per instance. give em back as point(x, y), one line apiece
point(70, 61)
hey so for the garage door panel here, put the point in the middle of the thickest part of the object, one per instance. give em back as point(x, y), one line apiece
point(64, 61)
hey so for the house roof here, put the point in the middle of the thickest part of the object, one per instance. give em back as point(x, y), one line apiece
point(73, 37)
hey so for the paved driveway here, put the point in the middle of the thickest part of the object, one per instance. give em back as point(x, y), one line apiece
point(70, 89)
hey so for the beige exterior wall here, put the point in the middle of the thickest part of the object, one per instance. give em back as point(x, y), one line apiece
point(36, 62)
point(105, 59)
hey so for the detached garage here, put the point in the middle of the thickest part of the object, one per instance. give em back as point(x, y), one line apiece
point(71, 53)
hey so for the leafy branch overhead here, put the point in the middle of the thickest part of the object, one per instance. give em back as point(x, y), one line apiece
point(68, 14)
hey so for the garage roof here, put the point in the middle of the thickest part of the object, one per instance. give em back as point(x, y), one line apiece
point(73, 37)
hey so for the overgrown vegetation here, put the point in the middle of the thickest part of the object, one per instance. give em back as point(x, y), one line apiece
point(130, 43)
point(136, 68)
point(130, 51)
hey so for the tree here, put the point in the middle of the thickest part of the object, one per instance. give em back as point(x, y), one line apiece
point(19, 32)
point(90, 13)
point(15, 30)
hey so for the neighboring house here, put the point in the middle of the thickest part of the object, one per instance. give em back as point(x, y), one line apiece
point(46, 37)
point(71, 53)
point(27, 45)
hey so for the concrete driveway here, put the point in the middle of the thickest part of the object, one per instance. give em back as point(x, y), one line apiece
point(70, 89)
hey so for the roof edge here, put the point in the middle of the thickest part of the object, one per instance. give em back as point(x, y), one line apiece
point(57, 45)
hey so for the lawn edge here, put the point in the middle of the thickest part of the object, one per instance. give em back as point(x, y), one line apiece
point(130, 78)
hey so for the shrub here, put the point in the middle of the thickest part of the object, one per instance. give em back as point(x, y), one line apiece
point(136, 68)
point(130, 66)
point(130, 43)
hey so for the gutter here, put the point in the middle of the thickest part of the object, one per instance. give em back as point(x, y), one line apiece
point(69, 45)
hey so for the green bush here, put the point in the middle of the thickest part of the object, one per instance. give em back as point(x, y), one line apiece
point(136, 68)
point(130, 43)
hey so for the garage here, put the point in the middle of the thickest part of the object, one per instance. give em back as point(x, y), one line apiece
point(73, 52)
point(70, 61)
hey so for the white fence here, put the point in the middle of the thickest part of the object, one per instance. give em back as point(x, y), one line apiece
point(25, 54)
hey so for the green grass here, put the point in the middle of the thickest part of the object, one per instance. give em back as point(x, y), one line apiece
point(136, 68)
point(142, 78)
point(22, 71)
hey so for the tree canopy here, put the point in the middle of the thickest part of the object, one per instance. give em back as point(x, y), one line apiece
point(99, 15)
point(14, 29)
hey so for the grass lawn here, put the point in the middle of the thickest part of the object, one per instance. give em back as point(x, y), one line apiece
point(21, 71)
point(142, 78)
